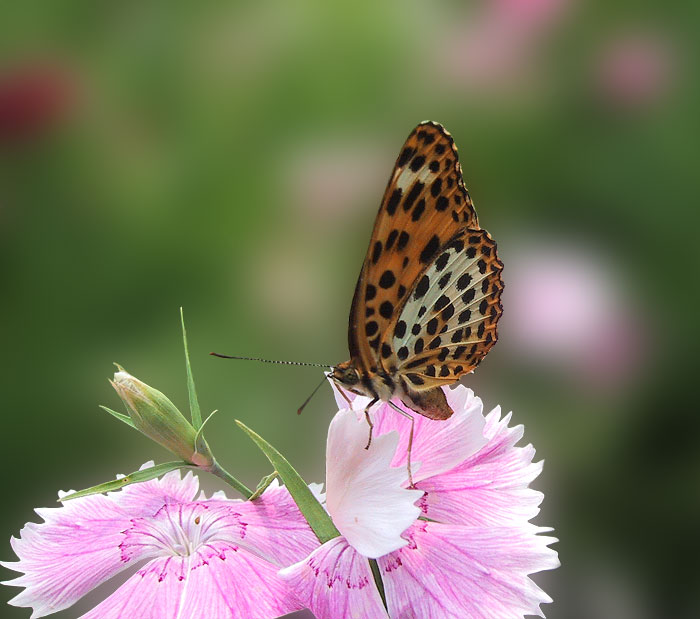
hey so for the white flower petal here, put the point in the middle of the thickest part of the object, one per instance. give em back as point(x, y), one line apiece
point(363, 493)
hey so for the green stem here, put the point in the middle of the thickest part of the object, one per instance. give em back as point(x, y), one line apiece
point(378, 581)
point(221, 472)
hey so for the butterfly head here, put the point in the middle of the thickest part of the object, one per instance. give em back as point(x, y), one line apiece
point(346, 376)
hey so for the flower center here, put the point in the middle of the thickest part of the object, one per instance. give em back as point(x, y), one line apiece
point(180, 530)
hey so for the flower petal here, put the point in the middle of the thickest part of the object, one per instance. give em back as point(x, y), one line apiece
point(219, 580)
point(437, 445)
point(335, 581)
point(477, 572)
point(272, 526)
point(358, 401)
point(491, 487)
point(144, 499)
point(364, 496)
point(74, 550)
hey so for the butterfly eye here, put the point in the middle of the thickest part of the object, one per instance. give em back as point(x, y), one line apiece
point(347, 375)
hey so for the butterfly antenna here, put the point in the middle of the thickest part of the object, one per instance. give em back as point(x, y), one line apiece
point(316, 365)
point(313, 393)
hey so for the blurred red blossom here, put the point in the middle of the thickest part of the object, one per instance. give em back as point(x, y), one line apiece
point(34, 98)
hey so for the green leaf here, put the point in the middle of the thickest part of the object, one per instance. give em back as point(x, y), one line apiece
point(319, 521)
point(132, 478)
point(194, 403)
point(377, 575)
point(121, 416)
point(263, 485)
point(220, 471)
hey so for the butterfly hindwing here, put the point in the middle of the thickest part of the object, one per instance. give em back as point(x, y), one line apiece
point(424, 205)
point(449, 321)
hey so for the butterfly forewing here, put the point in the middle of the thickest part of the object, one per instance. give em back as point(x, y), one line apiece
point(449, 320)
point(425, 204)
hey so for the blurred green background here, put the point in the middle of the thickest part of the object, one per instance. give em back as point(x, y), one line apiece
point(230, 159)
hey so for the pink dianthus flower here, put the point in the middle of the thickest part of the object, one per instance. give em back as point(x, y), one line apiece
point(466, 550)
point(198, 556)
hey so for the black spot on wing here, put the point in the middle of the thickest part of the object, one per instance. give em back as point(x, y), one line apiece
point(393, 201)
point(442, 261)
point(387, 280)
point(430, 249)
point(442, 302)
point(412, 195)
point(442, 203)
point(417, 163)
point(418, 210)
point(391, 239)
point(376, 251)
point(444, 280)
point(405, 156)
point(422, 287)
point(400, 329)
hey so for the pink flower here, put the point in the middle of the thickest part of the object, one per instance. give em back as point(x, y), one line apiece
point(568, 308)
point(203, 557)
point(471, 552)
point(497, 47)
point(635, 69)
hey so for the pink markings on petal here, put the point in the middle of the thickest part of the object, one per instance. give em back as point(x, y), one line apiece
point(73, 551)
point(491, 486)
point(218, 580)
point(437, 445)
point(89, 540)
point(335, 581)
point(274, 527)
point(364, 496)
point(478, 572)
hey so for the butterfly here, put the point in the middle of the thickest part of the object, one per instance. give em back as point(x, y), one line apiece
point(428, 298)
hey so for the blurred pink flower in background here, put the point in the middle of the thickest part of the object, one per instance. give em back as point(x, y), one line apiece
point(494, 47)
point(326, 182)
point(34, 98)
point(635, 69)
point(568, 309)
point(472, 552)
point(204, 557)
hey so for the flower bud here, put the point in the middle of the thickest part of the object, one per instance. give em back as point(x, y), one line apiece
point(157, 417)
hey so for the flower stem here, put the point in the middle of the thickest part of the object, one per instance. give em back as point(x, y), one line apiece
point(221, 472)
point(378, 581)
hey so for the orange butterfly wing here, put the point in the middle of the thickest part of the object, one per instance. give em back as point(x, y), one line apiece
point(425, 204)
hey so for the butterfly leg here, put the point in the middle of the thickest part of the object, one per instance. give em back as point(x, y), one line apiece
point(369, 421)
point(345, 396)
point(410, 441)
